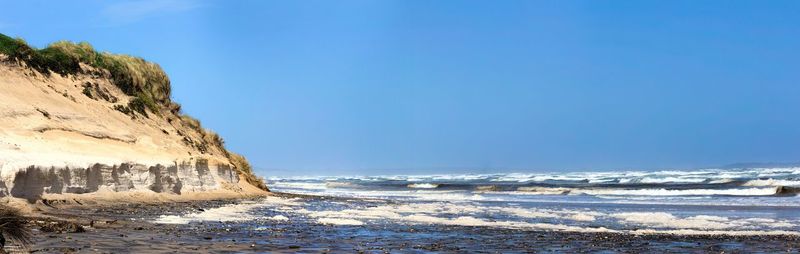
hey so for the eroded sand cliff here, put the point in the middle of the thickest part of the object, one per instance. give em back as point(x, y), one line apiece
point(79, 133)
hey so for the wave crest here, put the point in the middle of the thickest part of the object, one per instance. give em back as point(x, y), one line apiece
point(658, 192)
point(423, 186)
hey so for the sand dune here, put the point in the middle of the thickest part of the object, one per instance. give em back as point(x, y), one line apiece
point(62, 134)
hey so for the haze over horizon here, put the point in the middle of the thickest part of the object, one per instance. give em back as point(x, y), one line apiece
point(383, 87)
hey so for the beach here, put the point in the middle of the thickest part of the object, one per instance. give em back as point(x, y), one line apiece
point(121, 228)
point(187, 126)
point(703, 211)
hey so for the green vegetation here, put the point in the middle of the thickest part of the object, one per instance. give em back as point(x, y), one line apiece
point(123, 109)
point(87, 90)
point(243, 166)
point(211, 137)
point(138, 105)
point(41, 60)
point(238, 161)
point(146, 82)
point(134, 76)
point(191, 122)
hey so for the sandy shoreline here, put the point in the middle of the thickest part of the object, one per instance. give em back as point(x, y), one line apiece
point(117, 227)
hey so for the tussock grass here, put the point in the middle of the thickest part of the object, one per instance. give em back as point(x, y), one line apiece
point(44, 60)
point(241, 164)
point(139, 105)
point(15, 48)
point(213, 138)
point(191, 122)
point(133, 75)
point(14, 228)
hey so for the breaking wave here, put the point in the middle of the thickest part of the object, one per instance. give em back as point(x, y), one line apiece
point(772, 182)
point(754, 201)
point(708, 181)
point(423, 186)
point(651, 192)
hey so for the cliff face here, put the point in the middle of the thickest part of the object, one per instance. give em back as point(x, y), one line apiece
point(73, 120)
point(34, 182)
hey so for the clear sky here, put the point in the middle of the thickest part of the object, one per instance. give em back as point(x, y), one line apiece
point(377, 87)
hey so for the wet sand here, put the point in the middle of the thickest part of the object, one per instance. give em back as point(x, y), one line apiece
point(68, 227)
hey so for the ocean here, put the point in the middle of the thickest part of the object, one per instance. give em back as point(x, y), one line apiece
point(710, 202)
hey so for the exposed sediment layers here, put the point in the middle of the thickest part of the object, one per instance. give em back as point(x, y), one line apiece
point(34, 181)
point(86, 131)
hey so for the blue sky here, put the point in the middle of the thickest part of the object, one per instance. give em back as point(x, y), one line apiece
point(381, 87)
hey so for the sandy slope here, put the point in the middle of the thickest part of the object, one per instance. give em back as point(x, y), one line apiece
point(47, 121)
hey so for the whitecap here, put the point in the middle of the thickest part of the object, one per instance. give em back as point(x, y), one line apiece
point(672, 180)
point(772, 182)
point(647, 192)
point(299, 185)
point(423, 186)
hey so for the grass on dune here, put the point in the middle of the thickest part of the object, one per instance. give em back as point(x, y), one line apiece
point(241, 164)
point(133, 75)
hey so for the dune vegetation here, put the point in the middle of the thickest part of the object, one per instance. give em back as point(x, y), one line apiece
point(143, 80)
point(14, 228)
point(146, 83)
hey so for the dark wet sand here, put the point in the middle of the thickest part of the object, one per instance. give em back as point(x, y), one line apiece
point(119, 228)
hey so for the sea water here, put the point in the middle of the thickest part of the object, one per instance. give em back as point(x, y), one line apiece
point(750, 201)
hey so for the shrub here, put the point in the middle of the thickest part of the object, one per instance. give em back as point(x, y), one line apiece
point(15, 48)
point(87, 90)
point(123, 109)
point(138, 105)
point(56, 61)
point(44, 60)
